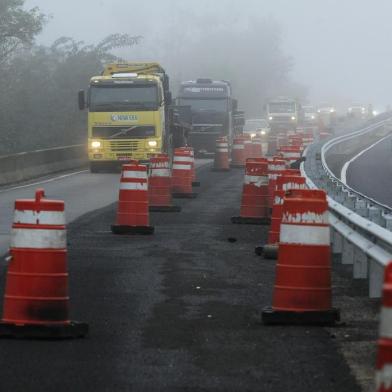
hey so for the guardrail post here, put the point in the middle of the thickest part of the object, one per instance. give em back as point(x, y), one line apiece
point(360, 268)
point(375, 215)
point(347, 252)
point(337, 242)
point(361, 208)
point(376, 275)
point(388, 221)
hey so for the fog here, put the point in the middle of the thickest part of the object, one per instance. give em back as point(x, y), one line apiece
point(339, 49)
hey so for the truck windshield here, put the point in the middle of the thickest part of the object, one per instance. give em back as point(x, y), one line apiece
point(282, 107)
point(215, 105)
point(122, 98)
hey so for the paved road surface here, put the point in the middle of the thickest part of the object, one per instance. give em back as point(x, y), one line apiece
point(371, 173)
point(177, 311)
point(82, 192)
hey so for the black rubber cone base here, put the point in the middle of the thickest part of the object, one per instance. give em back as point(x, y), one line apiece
point(270, 316)
point(132, 230)
point(165, 208)
point(250, 221)
point(72, 330)
point(270, 251)
point(259, 250)
point(184, 195)
point(214, 169)
point(236, 166)
point(195, 183)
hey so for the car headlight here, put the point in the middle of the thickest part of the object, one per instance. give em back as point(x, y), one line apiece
point(375, 113)
point(293, 118)
point(263, 132)
point(152, 143)
point(332, 110)
point(270, 118)
point(312, 117)
point(96, 144)
point(252, 135)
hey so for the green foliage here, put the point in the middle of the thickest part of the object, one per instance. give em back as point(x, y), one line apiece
point(18, 27)
point(38, 103)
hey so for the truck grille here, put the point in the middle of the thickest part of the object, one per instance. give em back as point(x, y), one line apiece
point(123, 145)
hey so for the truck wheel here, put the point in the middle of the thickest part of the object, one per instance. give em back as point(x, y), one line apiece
point(94, 167)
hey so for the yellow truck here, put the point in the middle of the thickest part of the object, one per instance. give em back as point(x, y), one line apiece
point(129, 114)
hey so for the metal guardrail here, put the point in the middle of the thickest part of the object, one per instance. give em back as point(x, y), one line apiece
point(356, 220)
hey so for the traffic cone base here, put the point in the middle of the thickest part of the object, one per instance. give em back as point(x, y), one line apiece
point(220, 170)
point(73, 329)
point(270, 251)
point(250, 221)
point(131, 230)
point(272, 316)
point(195, 183)
point(184, 195)
point(165, 209)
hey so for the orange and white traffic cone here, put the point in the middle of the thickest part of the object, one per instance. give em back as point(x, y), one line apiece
point(221, 159)
point(291, 154)
point(275, 168)
point(159, 185)
point(248, 146)
point(238, 153)
point(192, 155)
point(272, 144)
point(384, 352)
point(254, 201)
point(36, 301)
point(182, 174)
point(257, 148)
point(302, 293)
point(132, 214)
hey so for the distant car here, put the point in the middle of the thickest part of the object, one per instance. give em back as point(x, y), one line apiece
point(357, 111)
point(310, 114)
point(256, 127)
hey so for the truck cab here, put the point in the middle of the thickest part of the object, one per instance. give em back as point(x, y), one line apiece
point(212, 110)
point(283, 114)
point(128, 114)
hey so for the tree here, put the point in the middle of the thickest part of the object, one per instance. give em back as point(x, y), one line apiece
point(38, 105)
point(18, 27)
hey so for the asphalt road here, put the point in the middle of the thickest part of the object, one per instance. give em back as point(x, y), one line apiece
point(371, 173)
point(82, 192)
point(179, 311)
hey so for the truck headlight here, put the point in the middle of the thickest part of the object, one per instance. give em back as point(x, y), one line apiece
point(263, 132)
point(152, 143)
point(270, 118)
point(293, 118)
point(96, 144)
point(252, 135)
point(312, 117)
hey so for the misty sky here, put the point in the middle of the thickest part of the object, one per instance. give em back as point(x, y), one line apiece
point(342, 49)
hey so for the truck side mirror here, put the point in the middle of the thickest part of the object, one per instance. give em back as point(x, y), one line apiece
point(82, 100)
point(169, 98)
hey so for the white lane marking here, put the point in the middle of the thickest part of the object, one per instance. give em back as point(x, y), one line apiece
point(43, 181)
point(343, 173)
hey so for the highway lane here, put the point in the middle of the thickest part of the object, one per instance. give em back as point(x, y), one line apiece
point(178, 311)
point(371, 172)
point(82, 192)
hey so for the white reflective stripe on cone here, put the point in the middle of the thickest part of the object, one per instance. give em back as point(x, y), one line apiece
point(385, 323)
point(38, 239)
point(305, 235)
point(160, 173)
point(291, 154)
point(384, 377)
point(222, 145)
point(181, 167)
point(39, 217)
point(134, 174)
point(278, 200)
point(238, 146)
point(293, 185)
point(183, 159)
point(133, 186)
point(222, 150)
point(256, 180)
point(306, 217)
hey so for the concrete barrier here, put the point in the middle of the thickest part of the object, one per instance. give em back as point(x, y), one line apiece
point(28, 165)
